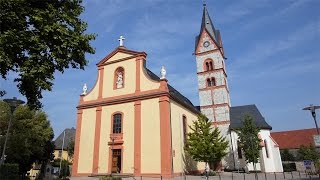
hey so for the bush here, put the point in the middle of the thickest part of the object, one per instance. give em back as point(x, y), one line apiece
point(9, 171)
point(110, 178)
point(211, 173)
point(288, 167)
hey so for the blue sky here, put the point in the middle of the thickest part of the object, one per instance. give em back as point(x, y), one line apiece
point(272, 48)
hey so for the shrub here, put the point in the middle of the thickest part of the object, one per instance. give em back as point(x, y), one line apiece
point(288, 167)
point(9, 171)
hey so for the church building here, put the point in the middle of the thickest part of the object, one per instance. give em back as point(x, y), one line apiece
point(134, 122)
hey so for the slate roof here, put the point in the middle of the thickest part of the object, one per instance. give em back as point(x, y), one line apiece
point(174, 93)
point(295, 138)
point(237, 113)
point(69, 136)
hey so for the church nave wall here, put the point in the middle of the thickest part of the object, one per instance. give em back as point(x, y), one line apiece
point(177, 113)
point(150, 136)
point(86, 143)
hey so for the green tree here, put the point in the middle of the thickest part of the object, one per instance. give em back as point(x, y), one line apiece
point(249, 139)
point(308, 153)
point(30, 137)
point(38, 38)
point(204, 143)
point(286, 155)
point(64, 172)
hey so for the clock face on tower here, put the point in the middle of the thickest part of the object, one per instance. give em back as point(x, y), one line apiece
point(206, 44)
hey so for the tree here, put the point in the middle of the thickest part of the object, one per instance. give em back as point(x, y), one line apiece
point(204, 143)
point(286, 155)
point(308, 153)
point(30, 137)
point(249, 139)
point(38, 38)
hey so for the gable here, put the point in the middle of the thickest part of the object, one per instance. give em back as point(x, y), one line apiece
point(118, 56)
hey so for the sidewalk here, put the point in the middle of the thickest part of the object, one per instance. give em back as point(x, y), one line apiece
point(228, 176)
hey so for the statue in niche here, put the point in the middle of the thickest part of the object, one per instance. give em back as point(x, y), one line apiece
point(119, 80)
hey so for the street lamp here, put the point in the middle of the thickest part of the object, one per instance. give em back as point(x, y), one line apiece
point(312, 109)
point(13, 103)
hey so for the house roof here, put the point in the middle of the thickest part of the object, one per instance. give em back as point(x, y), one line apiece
point(237, 113)
point(295, 138)
point(69, 136)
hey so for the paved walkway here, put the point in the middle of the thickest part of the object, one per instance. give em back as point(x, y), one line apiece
point(228, 176)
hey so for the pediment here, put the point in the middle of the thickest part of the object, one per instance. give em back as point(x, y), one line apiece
point(120, 54)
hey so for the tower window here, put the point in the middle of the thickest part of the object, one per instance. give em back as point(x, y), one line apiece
point(117, 123)
point(213, 81)
point(208, 82)
point(208, 65)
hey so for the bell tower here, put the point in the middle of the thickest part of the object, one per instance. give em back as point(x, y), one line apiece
point(212, 77)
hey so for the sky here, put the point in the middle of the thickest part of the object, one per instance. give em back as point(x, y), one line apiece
point(272, 49)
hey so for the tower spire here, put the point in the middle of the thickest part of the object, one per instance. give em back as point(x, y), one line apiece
point(206, 24)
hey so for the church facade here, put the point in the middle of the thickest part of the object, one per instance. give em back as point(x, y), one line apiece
point(133, 122)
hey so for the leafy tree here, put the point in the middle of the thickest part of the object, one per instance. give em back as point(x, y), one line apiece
point(30, 137)
point(308, 153)
point(286, 155)
point(2, 93)
point(38, 38)
point(249, 140)
point(71, 149)
point(205, 144)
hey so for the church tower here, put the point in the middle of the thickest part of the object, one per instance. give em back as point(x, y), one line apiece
point(212, 77)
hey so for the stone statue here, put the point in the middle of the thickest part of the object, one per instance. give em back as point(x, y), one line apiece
point(119, 80)
point(163, 73)
point(84, 89)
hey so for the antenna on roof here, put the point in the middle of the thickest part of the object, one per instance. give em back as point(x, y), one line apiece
point(204, 2)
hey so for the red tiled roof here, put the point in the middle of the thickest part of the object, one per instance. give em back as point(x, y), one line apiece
point(295, 138)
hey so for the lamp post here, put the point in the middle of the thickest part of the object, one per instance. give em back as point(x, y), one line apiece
point(312, 109)
point(13, 103)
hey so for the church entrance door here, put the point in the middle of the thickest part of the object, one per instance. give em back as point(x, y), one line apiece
point(116, 161)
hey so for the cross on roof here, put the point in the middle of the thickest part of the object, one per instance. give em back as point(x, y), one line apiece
point(121, 40)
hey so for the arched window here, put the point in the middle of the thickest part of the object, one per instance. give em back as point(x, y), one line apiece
point(117, 123)
point(208, 82)
point(266, 148)
point(119, 78)
point(213, 81)
point(184, 124)
point(211, 66)
point(208, 65)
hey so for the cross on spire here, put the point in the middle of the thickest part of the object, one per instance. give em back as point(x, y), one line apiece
point(121, 40)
